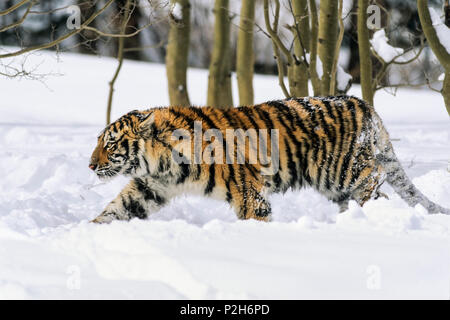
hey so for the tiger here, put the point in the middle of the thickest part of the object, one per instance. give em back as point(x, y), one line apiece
point(337, 145)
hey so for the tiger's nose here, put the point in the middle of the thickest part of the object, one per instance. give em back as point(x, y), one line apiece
point(92, 166)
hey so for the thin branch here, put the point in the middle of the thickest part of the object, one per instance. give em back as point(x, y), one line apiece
point(385, 65)
point(272, 32)
point(60, 39)
point(119, 35)
point(18, 22)
point(14, 7)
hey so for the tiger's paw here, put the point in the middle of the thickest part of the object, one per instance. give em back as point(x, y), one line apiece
point(103, 218)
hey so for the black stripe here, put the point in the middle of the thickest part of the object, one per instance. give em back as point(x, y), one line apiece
point(349, 154)
point(291, 165)
point(329, 109)
point(341, 122)
point(295, 121)
point(185, 171)
point(326, 158)
point(229, 196)
point(133, 208)
point(126, 146)
point(204, 117)
point(148, 193)
point(246, 112)
point(135, 147)
point(333, 152)
point(277, 180)
point(244, 190)
point(265, 117)
point(147, 168)
point(211, 181)
point(184, 117)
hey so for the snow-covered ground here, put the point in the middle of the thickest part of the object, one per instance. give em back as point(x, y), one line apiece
point(196, 248)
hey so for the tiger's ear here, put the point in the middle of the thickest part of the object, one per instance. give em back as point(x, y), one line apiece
point(145, 123)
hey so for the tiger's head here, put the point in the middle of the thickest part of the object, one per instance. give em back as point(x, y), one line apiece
point(121, 146)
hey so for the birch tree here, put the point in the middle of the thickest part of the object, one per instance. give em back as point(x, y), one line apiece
point(328, 35)
point(438, 48)
point(245, 56)
point(177, 53)
point(219, 79)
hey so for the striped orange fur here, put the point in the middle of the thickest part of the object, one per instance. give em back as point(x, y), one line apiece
point(337, 145)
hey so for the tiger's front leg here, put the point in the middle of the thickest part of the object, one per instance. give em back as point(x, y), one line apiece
point(138, 199)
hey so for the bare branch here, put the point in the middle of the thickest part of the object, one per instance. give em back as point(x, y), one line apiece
point(14, 7)
point(60, 39)
point(273, 34)
point(18, 22)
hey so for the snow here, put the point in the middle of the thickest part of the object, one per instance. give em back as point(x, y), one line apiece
point(442, 31)
point(342, 78)
point(177, 11)
point(383, 48)
point(195, 247)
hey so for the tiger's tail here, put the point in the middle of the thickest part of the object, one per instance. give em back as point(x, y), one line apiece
point(395, 174)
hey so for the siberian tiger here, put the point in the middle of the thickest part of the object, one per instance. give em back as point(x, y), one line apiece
point(337, 145)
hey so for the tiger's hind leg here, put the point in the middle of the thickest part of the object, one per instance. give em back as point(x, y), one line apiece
point(367, 185)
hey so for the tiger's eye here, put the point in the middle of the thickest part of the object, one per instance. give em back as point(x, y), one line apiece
point(110, 146)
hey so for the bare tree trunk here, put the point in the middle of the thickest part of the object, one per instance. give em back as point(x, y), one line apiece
point(313, 47)
point(337, 50)
point(245, 54)
point(438, 49)
point(446, 90)
point(219, 80)
point(365, 59)
point(328, 33)
point(300, 76)
point(177, 54)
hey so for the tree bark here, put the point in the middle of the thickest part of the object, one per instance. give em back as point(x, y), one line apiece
point(245, 53)
point(334, 68)
point(219, 80)
point(328, 33)
point(438, 49)
point(365, 59)
point(300, 76)
point(177, 55)
point(315, 80)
